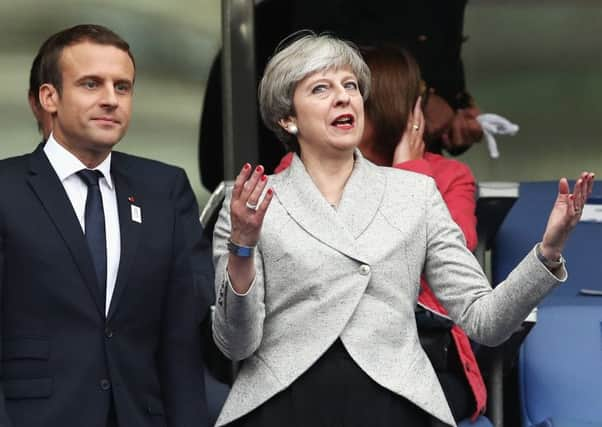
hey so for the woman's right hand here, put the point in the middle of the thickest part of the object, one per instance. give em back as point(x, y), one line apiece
point(411, 145)
point(246, 213)
point(246, 218)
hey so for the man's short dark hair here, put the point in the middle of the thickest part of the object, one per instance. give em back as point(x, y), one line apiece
point(46, 66)
point(35, 79)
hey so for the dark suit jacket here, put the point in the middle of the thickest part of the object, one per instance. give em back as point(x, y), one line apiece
point(62, 360)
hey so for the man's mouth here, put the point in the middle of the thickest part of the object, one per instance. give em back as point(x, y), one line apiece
point(106, 120)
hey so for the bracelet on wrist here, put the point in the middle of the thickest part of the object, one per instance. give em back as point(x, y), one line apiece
point(550, 264)
point(240, 250)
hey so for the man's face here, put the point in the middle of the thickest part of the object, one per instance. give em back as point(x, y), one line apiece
point(93, 111)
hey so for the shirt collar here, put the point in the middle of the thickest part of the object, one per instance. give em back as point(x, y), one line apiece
point(66, 164)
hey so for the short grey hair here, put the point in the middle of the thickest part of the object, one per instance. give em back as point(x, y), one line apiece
point(307, 55)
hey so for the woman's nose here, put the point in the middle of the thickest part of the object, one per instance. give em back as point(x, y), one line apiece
point(342, 97)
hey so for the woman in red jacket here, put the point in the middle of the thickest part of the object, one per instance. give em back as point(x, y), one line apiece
point(393, 136)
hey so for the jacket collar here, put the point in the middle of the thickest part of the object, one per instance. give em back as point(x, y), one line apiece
point(340, 228)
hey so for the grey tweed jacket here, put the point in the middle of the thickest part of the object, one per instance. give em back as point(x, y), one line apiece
point(354, 273)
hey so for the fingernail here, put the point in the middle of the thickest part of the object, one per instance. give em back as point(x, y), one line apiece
point(247, 166)
point(270, 191)
point(258, 169)
point(264, 177)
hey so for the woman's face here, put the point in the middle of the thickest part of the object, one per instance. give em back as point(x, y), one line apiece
point(329, 112)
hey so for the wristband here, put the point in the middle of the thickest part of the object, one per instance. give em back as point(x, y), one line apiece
point(550, 264)
point(240, 250)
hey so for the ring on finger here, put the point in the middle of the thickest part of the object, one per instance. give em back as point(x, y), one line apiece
point(251, 206)
point(416, 127)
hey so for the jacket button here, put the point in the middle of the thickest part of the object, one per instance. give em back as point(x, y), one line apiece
point(108, 332)
point(105, 384)
point(364, 270)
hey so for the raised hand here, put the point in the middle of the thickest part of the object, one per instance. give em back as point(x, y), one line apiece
point(246, 217)
point(565, 214)
point(246, 211)
point(464, 131)
point(411, 145)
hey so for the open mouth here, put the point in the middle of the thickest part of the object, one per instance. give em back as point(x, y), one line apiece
point(344, 121)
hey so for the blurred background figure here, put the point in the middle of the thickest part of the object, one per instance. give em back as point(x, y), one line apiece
point(431, 30)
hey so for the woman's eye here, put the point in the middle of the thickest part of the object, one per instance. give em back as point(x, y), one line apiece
point(319, 89)
point(351, 85)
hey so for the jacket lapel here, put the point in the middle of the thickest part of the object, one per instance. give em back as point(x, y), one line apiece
point(338, 228)
point(129, 229)
point(49, 190)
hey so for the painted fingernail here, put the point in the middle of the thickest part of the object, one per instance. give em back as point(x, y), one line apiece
point(264, 177)
point(270, 191)
point(247, 166)
point(258, 169)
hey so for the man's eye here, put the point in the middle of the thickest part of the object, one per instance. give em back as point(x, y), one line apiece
point(90, 84)
point(123, 87)
point(319, 89)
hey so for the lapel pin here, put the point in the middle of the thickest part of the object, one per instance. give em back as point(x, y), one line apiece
point(136, 214)
point(131, 199)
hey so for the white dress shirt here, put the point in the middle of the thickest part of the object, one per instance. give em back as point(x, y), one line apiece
point(66, 165)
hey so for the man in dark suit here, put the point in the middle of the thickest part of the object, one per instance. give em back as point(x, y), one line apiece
point(101, 260)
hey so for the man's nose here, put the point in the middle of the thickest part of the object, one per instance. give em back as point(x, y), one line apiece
point(109, 96)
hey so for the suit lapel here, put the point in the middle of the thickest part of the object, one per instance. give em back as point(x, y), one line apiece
point(51, 193)
point(339, 228)
point(129, 229)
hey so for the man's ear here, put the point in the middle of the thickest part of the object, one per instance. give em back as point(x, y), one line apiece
point(49, 97)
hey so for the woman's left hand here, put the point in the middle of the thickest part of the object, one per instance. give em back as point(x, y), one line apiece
point(411, 146)
point(565, 214)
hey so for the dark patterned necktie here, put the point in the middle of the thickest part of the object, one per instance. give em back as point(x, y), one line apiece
point(95, 227)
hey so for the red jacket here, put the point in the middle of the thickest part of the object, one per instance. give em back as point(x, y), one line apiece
point(457, 187)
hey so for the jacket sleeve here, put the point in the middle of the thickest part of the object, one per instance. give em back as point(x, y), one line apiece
point(488, 316)
point(180, 358)
point(238, 321)
point(4, 420)
point(199, 245)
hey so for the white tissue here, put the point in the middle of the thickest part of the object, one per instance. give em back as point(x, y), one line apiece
point(493, 124)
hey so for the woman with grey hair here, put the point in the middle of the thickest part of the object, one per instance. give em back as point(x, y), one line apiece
point(318, 273)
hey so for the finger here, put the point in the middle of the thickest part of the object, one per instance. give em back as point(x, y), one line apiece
point(590, 183)
point(263, 207)
point(253, 199)
point(563, 186)
point(240, 180)
point(250, 184)
point(417, 108)
point(578, 195)
point(474, 130)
